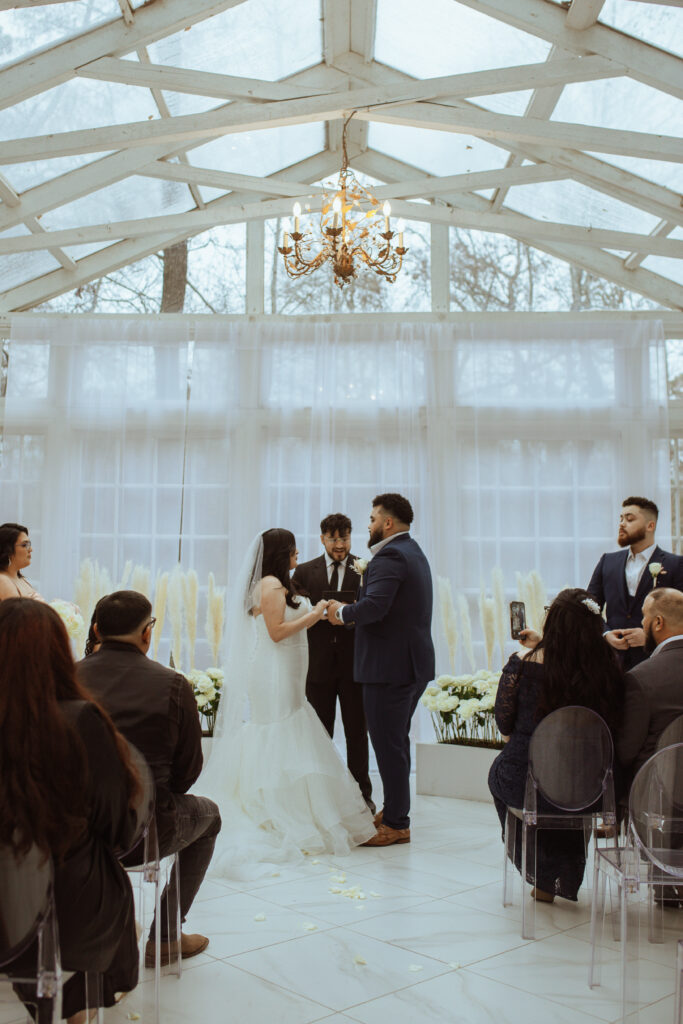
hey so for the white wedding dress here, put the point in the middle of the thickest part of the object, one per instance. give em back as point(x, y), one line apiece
point(278, 778)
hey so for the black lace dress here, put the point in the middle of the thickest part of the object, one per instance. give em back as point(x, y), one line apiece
point(560, 854)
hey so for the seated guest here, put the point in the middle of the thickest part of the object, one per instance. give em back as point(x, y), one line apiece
point(155, 709)
point(570, 665)
point(654, 688)
point(76, 797)
point(15, 555)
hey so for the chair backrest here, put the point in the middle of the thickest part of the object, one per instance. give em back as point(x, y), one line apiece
point(25, 899)
point(655, 807)
point(570, 757)
point(672, 734)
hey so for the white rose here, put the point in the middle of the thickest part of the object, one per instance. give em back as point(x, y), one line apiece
point(202, 700)
point(360, 565)
point(445, 681)
point(432, 691)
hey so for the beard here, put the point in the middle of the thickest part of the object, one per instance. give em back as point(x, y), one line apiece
point(625, 540)
point(650, 643)
point(376, 536)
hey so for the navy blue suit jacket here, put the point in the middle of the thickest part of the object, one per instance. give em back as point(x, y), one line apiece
point(608, 586)
point(393, 616)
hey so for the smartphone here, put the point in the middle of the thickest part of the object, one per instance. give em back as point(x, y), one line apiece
point(517, 618)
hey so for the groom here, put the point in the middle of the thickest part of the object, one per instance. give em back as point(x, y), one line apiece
point(394, 655)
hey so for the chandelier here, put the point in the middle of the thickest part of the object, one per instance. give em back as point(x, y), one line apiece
point(349, 235)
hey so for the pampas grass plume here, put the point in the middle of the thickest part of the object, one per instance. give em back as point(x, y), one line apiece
point(215, 615)
point(140, 581)
point(175, 614)
point(127, 569)
point(466, 629)
point(160, 599)
point(448, 618)
point(191, 595)
point(84, 589)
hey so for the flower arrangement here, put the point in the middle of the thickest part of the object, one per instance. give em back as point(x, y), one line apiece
point(462, 709)
point(206, 687)
point(656, 570)
point(70, 614)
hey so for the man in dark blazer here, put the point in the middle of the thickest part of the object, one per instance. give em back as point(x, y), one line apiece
point(154, 708)
point(653, 689)
point(394, 656)
point(623, 579)
point(330, 651)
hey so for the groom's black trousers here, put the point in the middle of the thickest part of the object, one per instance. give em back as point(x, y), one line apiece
point(389, 708)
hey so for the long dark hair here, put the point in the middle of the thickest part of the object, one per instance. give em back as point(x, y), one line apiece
point(278, 547)
point(9, 535)
point(43, 762)
point(579, 666)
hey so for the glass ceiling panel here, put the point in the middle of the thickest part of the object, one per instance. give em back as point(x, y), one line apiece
point(136, 197)
point(261, 152)
point(660, 25)
point(258, 39)
point(24, 266)
point(25, 176)
point(662, 172)
point(606, 102)
point(506, 102)
point(569, 202)
point(26, 30)
point(671, 268)
point(440, 37)
point(79, 103)
point(180, 103)
point(436, 152)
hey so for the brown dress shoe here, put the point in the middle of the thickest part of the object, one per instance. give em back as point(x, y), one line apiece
point(541, 896)
point(190, 945)
point(377, 820)
point(387, 836)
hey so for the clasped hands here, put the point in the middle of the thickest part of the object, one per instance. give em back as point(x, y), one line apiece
point(332, 607)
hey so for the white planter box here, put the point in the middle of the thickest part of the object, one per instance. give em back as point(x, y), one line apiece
point(446, 769)
point(206, 747)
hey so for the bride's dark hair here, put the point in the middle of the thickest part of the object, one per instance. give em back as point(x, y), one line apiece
point(278, 547)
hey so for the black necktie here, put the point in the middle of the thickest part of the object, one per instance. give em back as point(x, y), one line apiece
point(334, 578)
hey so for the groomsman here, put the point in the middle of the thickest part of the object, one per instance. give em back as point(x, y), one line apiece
point(623, 579)
point(330, 651)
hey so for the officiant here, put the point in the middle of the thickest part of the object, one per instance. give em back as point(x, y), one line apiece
point(330, 650)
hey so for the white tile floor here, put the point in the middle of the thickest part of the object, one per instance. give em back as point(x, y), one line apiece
point(430, 942)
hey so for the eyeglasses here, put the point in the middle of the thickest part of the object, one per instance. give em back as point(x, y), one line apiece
point(26, 544)
point(151, 624)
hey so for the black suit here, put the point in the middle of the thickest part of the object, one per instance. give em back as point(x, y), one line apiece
point(625, 611)
point(330, 668)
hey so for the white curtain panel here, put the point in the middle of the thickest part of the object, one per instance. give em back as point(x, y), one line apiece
point(515, 444)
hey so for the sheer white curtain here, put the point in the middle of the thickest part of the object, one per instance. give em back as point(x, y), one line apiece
point(516, 444)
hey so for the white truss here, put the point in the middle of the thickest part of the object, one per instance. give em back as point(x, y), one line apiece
point(347, 79)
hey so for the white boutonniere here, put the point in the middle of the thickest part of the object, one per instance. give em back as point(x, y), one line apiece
point(656, 570)
point(359, 566)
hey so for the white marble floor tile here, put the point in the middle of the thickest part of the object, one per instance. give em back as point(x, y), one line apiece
point(662, 952)
point(11, 1010)
point(562, 915)
point(219, 991)
point(556, 969)
point(445, 931)
point(426, 873)
point(465, 998)
point(339, 968)
point(242, 921)
point(312, 898)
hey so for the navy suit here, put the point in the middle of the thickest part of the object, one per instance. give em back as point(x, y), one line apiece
point(394, 660)
point(608, 586)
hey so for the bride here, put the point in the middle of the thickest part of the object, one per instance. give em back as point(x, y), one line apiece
point(282, 787)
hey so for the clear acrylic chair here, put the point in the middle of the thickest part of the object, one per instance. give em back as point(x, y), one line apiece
point(27, 915)
point(651, 860)
point(672, 734)
point(570, 769)
point(151, 870)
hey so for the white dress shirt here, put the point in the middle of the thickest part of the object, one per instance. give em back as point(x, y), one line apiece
point(330, 566)
point(635, 567)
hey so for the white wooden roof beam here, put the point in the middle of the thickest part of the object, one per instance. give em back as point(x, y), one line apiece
point(106, 171)
point(595, 261)
point(636, 258)
point(11, 198)
point(363, 27)
point(369, 104)
point(127, 11)
point(196, 221)
point(589, 170)
point(583, 13)
point(56, 63)
point(336, 25)
point(193, 83)
point(545, 19)
point(113, 257)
